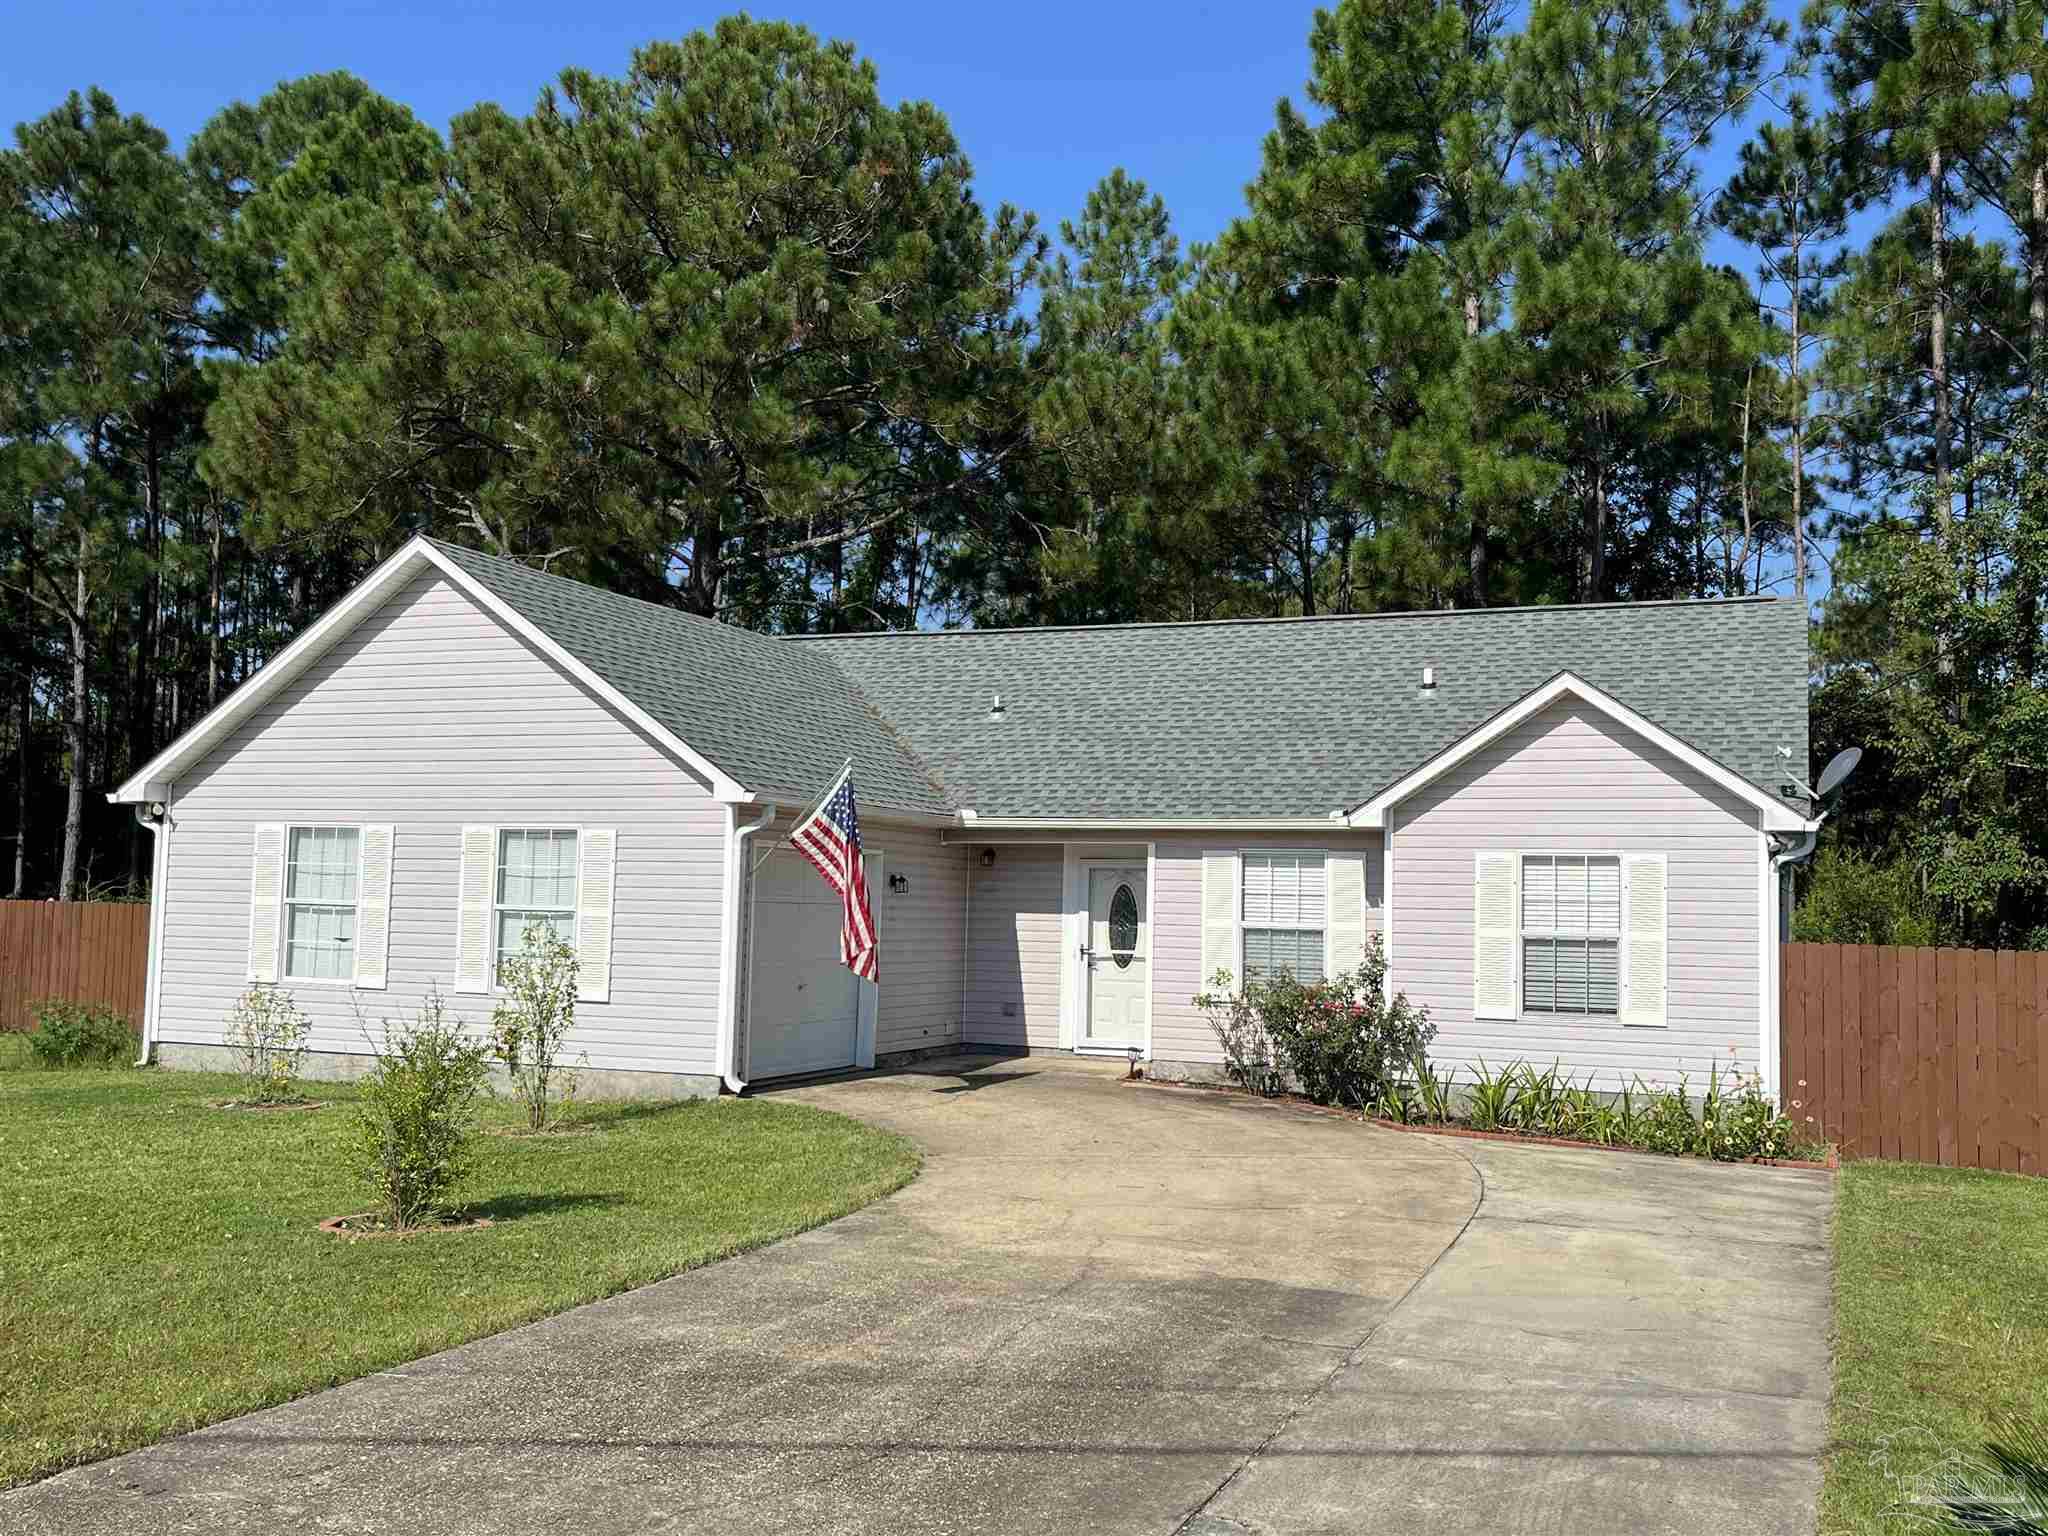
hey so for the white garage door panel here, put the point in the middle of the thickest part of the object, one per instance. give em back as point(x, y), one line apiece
point(806, 1008)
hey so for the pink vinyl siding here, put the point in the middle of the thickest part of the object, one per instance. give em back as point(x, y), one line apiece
point(1014, 944)
point(1570, 780)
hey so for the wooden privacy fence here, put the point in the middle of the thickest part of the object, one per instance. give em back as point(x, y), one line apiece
point(1930, 1055)
point(85, 951)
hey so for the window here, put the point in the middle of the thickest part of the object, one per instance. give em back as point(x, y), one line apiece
point(1283, 915)
point(320, 902)
point(1571, 934)
point(536, 884)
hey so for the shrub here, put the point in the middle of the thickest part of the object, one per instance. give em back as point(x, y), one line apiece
point(529, 1026)
point(1248, 1055)
point(1853, 900)
point(410, 1139)
point(2001, 1490)
point(268, 1031)
point(1343, 1040)
point(71, 1034)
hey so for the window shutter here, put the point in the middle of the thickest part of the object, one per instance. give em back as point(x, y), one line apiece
point(473, 919)
point(596, 848)
point(1219, 916)
point(1645, 939)
point(266, 901)
point(373, 905)
point(1345, 924)
point(1496, 908)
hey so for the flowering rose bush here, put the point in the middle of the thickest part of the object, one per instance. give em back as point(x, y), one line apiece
point(1342, 1041)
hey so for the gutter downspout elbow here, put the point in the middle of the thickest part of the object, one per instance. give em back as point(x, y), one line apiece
point(729, 939)
point(160, 847)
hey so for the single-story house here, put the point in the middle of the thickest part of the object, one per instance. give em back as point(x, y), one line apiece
point(1566, 824)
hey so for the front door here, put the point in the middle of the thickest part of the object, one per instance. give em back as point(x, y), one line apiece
point(1117, 956)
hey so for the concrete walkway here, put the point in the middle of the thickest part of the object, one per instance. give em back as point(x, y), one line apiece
point(1106, 1308)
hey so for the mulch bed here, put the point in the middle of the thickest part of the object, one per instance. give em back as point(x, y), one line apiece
point(1296, 1102)
point(370, 1224)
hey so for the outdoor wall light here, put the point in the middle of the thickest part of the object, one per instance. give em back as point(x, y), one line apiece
point(900, 884)
point(988, 858)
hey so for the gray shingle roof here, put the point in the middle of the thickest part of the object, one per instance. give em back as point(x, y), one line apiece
point(1175, 721)
point(771, 714)
point(1303, 717)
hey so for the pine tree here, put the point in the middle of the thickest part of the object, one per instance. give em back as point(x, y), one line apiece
point(1789, 201)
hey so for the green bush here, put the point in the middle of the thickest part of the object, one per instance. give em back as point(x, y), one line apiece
point(268, 1031)
point(529, 1026)
point(1343, 1041)
point(411, 1137)
point(1849, 899)
point(71, 1034)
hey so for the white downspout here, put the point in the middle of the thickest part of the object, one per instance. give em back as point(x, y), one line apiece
point(729, 938)
point(1780, 862)
point(159, 866)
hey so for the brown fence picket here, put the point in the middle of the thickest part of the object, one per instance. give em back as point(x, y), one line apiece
point(1929, 1055)
point(81, 951)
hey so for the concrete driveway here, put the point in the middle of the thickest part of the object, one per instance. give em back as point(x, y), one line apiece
point(1106, 1308)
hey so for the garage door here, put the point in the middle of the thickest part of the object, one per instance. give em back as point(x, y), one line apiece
point(806, 1006)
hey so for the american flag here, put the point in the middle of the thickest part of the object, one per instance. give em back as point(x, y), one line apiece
point(830, 838)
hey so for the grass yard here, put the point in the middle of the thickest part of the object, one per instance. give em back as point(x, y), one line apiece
point(160, 1267)
point(1941, 1303)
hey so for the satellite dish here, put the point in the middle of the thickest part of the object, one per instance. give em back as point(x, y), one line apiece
point(1839, 767)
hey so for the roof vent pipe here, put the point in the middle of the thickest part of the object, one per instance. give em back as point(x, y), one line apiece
point(997, 709)
point(1428, 678)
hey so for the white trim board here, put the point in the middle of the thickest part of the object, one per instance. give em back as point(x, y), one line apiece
point(368, 595)
point(1777, 815)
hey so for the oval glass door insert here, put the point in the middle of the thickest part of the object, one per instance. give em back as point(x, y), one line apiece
point(1123, 927)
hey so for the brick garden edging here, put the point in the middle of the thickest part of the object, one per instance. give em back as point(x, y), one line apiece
point(1466, 1133)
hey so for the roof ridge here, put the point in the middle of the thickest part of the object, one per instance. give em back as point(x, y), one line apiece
point(1747, 600)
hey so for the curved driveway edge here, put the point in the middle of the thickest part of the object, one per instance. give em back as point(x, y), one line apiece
point(1110, 1309)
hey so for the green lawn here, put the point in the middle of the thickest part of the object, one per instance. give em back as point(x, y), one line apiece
point(160, 1266)
point(1941, 1301)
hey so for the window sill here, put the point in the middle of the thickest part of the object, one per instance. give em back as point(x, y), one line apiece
point(1607, 1020)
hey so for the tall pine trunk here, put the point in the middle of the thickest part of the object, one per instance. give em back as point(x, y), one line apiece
point(1475, 560)
point(1798, 440)
point(213, 599)
point(75, 724)
point(1937, 338)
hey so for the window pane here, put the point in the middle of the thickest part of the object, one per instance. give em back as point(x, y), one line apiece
point(1283, 890)
point(1571, 975)
point(1571, 895)
point(1539, 894)
point(319, 942)
point(1258, 952)
point(321, 864)
point(537, 869)
point(1296, 952)
point(1310, 888)
point(1258, 888)
point(1603, 985)
point(1603, 879)
point(1539, 970)
point(512, 926)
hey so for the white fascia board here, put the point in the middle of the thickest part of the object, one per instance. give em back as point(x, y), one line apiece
point(976, 827)
point(876, 810)
point(365, 598)
point(1778, 815)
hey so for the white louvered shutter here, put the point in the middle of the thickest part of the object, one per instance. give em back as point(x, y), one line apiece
point(1345, 923)
point(473, 916)
point(373, 905)
point(596, 851)
point(1496, 933)
point(266, 902)
point(1645, 938)
point(1219, 916)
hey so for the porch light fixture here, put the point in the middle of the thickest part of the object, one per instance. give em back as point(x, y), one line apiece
point(988, 858)
point(900, 884)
